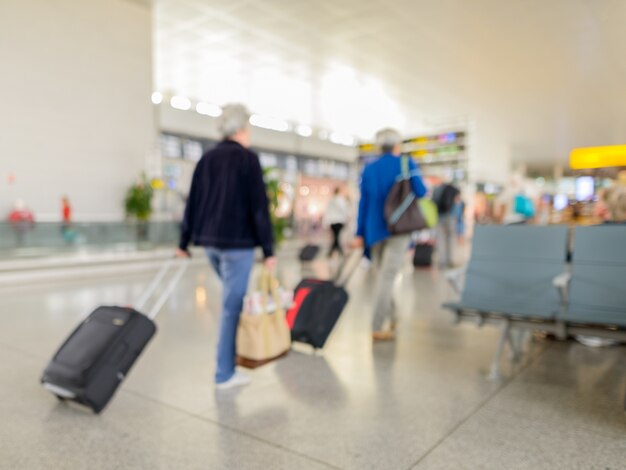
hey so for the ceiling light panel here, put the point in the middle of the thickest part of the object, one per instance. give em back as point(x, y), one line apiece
point(508, 62)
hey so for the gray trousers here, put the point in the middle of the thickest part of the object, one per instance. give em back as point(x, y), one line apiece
point(388, 256)
point(446, 239)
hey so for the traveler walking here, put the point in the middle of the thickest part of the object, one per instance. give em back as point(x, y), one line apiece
point(336, 217)
point(227, 213)
point(372, 230)
point(446, 196)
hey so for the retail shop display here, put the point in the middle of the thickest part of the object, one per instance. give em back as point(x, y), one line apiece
point(441, 157)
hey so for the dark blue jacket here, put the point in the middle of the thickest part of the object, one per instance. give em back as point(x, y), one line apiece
point(227, 206)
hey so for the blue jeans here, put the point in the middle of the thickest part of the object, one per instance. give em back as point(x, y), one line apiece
point(233, 268)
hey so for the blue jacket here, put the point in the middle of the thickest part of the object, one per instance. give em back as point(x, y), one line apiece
point(227, 206)
point(376, 182)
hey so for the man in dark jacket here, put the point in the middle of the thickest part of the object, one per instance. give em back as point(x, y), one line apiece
point(227, 213)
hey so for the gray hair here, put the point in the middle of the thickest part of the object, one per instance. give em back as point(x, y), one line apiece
point(387, 139)
point(234, 118)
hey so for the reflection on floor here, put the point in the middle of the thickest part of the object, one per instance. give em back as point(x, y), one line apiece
point(422, 402)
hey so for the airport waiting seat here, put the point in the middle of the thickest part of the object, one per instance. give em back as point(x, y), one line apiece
point(597, 288)
point(509, 280)
point(596, 294)
point(511, 271)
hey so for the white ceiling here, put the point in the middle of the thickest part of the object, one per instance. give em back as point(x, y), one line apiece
point(545, 75)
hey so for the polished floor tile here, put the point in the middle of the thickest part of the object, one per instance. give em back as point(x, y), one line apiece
point(199, 444)
point(494, 439)
point(38, 431)
point(382, 419)
point(423, 401)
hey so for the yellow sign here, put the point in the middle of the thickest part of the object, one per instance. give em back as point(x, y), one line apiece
point(598, 157)
point(157, 183)
point(367, 147)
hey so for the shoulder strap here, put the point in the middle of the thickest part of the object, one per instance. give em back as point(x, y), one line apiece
point(404, 165)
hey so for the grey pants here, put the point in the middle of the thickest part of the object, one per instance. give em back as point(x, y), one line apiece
point(446, 239)
point(388, 255)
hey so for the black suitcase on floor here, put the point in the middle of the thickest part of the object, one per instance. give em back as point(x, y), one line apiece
point(423, 255)
point(309, 252)
point(93, 361)
point(317, 307)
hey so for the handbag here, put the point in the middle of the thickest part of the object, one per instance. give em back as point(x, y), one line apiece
point(402, 212)
point(264, 337)
point(429, 212)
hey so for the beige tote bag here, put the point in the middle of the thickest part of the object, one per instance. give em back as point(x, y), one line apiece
point(264, 337)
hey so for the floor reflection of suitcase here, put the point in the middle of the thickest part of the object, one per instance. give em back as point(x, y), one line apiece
point(318, 305)
point(94, 360)
point(423, 255)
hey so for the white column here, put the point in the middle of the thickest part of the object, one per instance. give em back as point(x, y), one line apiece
point(489, 153)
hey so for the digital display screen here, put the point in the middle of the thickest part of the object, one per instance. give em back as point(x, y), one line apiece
point(584, 188)
point(171, 146)
point(192, 150)
point(560, 202)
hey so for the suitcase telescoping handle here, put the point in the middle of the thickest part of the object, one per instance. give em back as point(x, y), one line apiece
point(169, 288)
point(348, 266)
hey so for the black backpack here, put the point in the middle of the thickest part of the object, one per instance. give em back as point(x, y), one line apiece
point(444, 197)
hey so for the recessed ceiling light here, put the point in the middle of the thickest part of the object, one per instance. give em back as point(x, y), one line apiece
point(157, 97)
point(208, 109)
point(304, 130)
point(180, 102)
point(343, 139)
point(269, 122)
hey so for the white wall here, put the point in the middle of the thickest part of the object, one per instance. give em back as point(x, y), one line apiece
point(489, 151)
point(76, 116)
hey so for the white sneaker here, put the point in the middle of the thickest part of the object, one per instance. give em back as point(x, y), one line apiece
point(238, 379)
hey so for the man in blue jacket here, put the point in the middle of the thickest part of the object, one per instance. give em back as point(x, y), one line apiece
point(372, 232)
point(227, 213)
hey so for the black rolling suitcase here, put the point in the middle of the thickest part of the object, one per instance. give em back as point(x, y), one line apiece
point(423, 255)
point(97, 356)
point(309, 252)
point(317, 306)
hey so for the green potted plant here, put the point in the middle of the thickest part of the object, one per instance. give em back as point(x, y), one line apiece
point(138, 204)
point(273, 194)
